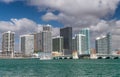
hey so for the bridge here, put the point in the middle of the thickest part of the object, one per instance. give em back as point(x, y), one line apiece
point(107, 56)
point(63, 57)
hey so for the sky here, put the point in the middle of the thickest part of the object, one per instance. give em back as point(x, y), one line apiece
point(27, 16)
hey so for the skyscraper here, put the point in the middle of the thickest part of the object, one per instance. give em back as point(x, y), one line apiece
point(27, 44)
point(103, 44)
point(44, 42)
point(66, 33)
point(57, 44)
point(44, 39)
point(81, 44)
point(8, 43)
point(86, 32)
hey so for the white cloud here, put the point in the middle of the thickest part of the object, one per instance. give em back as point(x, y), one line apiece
point(82, 13)
point(22, 26)
point(101, 26)
point(18, 25)
point(49, 16)
point(77, 13)
point(79, 7)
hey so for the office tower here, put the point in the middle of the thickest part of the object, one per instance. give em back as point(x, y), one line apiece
point(66, 33)
point(81, 45)
point(27, 44)
point(8, 43)
point(57, 44)
point(103, 44)
point(86, 32)
point(44, 42)
point(44, 39)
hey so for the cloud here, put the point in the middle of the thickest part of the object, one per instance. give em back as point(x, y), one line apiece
point(18, 25)
point(101, 26)
point(82, 13)
point(22, 26)
point(97, 8)
point(77, 13)
point(49, 16)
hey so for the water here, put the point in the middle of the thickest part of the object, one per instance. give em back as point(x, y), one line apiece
point(59, 68)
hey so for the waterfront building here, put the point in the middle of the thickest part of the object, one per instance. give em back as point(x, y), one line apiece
point(103, 44)
point(44, 42)
point(8, 43)
point(66, 33)
point(27, 44)
point(81, 45)
point(57, 43)
point(44, 39)
point(86, 32)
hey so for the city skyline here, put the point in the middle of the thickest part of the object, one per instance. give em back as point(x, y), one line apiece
point(26, 16)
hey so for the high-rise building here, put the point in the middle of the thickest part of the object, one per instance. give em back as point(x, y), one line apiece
point(57, 44)
point(66, 33)
point(81, 45)
point(27, 44)
point(103, 44)
point(86, 32)
point(8, 43)
point(44, 42)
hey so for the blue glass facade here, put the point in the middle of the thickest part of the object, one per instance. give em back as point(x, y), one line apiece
point(86, 32)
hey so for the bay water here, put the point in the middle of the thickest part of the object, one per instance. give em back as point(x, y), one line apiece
point(59, 68)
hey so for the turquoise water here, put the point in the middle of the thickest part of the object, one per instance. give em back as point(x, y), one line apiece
point(59, 68)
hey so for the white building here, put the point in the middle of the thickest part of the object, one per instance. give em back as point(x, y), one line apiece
point(27, 44)
point(81, 44)
point(86, 32)
point(8, 42)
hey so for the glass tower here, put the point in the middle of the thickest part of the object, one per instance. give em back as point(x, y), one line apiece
point(66, 33)
point(103, 44)
point(86, 32)
point(81, 44)
point(57, 44)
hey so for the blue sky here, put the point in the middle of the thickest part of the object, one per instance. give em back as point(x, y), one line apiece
point(27, 16)
point(20, 9)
